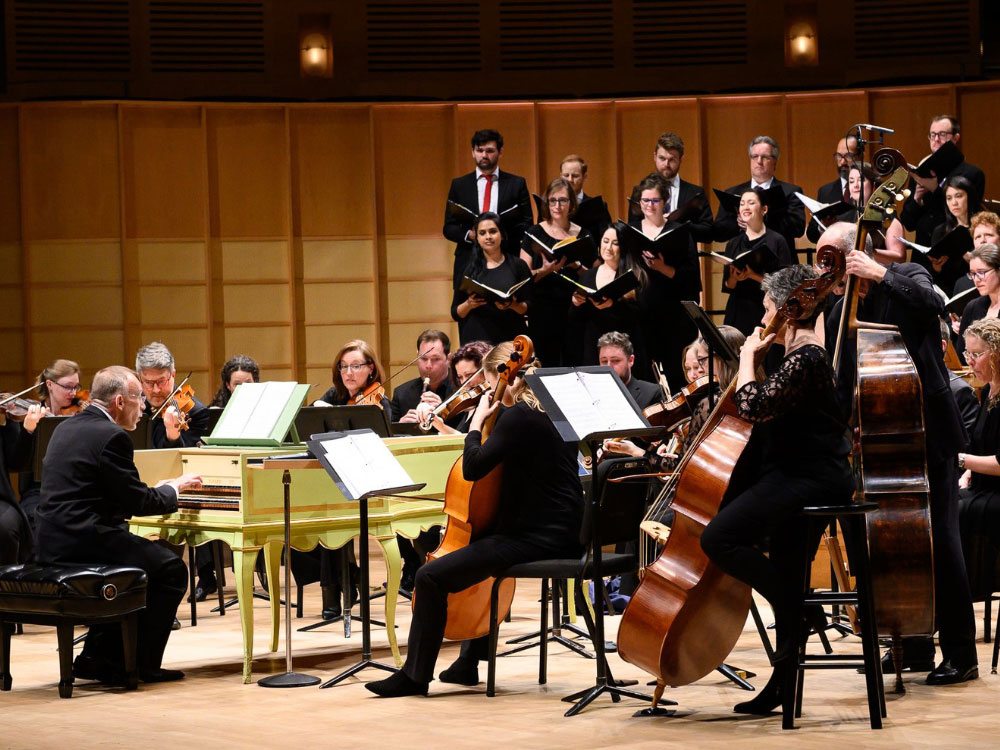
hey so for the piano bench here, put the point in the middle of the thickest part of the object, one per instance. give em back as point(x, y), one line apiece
point(66, 596)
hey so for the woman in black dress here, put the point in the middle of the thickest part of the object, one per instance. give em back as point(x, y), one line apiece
point(541, 502)
point(666, 328)
point(238, 370)
point(768, 252)
point(593, 319)
point(979, 494)
point(961, 201)
point(548, 316)
point(984, 271)
point(804, 461)
point(479, 320)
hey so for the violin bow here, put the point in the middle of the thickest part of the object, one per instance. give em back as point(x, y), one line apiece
point(18, 394)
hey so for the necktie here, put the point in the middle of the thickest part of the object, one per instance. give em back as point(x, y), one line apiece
point(666, 200)
point(847, 194)
point(487, 192)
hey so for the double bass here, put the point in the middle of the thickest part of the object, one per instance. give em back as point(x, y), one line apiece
point(472, 509)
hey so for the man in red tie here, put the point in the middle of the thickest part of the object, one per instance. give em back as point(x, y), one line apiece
point(486, 189)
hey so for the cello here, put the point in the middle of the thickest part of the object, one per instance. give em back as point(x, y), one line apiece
point(890, 457)
point(472, 509)
point(686, 614)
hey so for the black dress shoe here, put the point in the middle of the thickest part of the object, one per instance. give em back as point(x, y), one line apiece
point(160, 675)
point(948, 674)
point(462, 672)
point(397, 686)
point(909, 665)
point(176, 624)
point(204, 589)
point(88, 668)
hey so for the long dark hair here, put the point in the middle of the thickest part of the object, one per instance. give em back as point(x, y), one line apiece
point(477, 263)
point(625, 260)
point(239, 363)
point(972, 199)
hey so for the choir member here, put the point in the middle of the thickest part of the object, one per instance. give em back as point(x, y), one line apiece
point(548, 314)
point(486, 190)
point(592, 211)
point(984, 270)
point(844, 158)
point(238, 370)
point(667, 159)
point(155, 366)
point(477, 318)
point(432, 383)
point(768, 252)
point(961, 202)
point(539, 519)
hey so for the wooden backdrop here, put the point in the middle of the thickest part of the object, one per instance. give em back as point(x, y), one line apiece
point(282, 230)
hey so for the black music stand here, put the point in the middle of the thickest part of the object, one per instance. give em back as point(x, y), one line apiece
point(355, 482)
point(289, 678)
point(586, 406)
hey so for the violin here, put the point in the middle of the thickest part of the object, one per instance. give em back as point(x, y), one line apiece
point(673, 411)
point(371, 395)
point(80, 402)
point(181, 400)
point(16, 407)
point(465, 398)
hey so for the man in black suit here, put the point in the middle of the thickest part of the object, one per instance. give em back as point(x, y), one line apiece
point(433, 385)
point(90, 486)
point(836, 190)
point(903, 294)
point(789, 221)
point(926, 210)
point(667, 158)
point(486, 189)
point(617, 353)
point(593, 216)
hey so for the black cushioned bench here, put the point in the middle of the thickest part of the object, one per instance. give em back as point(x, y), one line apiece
point(66, 596)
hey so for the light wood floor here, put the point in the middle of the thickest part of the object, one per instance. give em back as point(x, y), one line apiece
point(212, 708)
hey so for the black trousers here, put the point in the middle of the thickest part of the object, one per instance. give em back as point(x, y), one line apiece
point(15, 535)
point(167, 582)
point(769, 509)
point(455, 572)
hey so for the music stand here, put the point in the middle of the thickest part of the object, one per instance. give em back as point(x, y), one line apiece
point(361, 483)
point(316, 420)
point(587, 405)
point(713, 340)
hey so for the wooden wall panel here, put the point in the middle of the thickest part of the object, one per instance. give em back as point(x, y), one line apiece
point(909, 112)
point(977, 112)
point(10, 204)
point(254, 261)
point(816, 122)
point(61, 308)
point(13, 375)
point(331, 158)
point(326, 260)
point(271, 345)
point(248, 172)
point(165, 306)
point(330, 303)
point(171, 261)
point(516, 123)
point(75, 262)
point(91, 349)
point(324, 341)
point(69, 171)
point(583, 128)
point(424, 257)
point(163, 157)
point(252, 303)
point(639, 123)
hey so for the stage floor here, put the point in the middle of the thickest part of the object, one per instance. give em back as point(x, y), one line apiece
point(212, 708)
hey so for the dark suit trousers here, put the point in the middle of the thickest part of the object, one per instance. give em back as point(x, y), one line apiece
point(15, 535)
point(167, 582)
point(452, 573)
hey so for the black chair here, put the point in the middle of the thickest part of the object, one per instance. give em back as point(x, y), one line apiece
point(612, 513)
point(852, 522)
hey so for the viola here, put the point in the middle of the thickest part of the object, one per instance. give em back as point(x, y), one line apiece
point(673, 411)
point(371, 395)
point(472, 509)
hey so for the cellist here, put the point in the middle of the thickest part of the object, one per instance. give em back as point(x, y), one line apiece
point(902, 294)
point(541, 503)
point(798, 425)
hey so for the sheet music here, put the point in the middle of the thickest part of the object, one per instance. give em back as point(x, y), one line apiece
point(254, 410)
point(364, 464)
point(592, 402)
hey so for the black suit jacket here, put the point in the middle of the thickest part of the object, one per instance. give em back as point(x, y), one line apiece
point(15, 454)
point(643, 392)
point(906, 298)
point(700, 226)
point(90, 486)
point(923, 219)
point(189, 438)
point(790, 223)
point(513, 192)
point(831, 192)
point(407, 395)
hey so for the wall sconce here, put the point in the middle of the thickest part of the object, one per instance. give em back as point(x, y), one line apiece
point(801, 44)
point(315, 47)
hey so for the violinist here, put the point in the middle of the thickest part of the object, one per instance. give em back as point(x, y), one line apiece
point(171, 429)
point(15, 454)
point(58, 386)
point(464, 365)
point(356, 371)
point(238, 370)
point(432, 384)
point(541, 503)
point(902, 294)
point(798, 423)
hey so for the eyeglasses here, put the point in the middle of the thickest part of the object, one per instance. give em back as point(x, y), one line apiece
point(702, 361)
point(974, 356)
point(650, 201)
point(977, 275)
point(156, 383)
point(558, 201)
point(842, 157)
point(67, 388)
point(939, 135)
point(354, 367)
point(140, 397)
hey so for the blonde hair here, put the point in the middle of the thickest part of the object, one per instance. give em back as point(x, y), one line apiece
point(987, 330)
point(519, 389)
point(54, 372)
